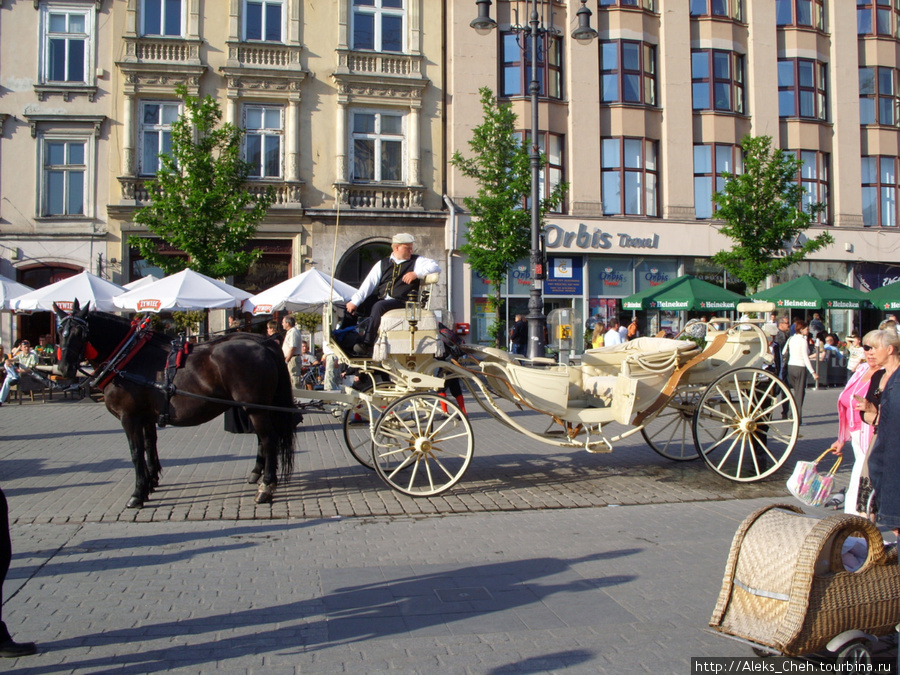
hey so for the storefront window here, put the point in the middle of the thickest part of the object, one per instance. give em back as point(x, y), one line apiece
point(652, 272)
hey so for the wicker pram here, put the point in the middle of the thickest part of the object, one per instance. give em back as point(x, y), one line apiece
point(786, 586)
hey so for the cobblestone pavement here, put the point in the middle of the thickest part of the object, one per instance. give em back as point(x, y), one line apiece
point(539, 561)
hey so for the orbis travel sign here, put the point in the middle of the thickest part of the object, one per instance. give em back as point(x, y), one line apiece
point(596, 239)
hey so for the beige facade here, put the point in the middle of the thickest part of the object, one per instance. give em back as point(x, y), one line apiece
point(341, 102)
point(637, 86)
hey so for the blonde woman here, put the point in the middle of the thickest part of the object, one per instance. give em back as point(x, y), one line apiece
point(881, 409)
point(597, 335)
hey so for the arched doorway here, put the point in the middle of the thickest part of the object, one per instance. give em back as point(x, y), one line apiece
point(31, 326)
point(358, 261)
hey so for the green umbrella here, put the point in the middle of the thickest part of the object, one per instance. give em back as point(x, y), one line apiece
point(807, 292)
point(886, 297)
point(684, 293)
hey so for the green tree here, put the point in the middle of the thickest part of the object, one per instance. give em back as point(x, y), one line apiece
point(198, 200)
point(499, 233)
point(763, 213)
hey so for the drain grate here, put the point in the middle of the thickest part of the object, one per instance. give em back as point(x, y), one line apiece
point(463, 594)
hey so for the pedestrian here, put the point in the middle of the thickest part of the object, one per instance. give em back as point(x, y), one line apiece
point(855, 352)
point(518, 336)
point(291, 350)
point(597, 335)
point(9, 648)
point(816, 325)
point(796, 351)
point(779, 340)
point(612, 337)
point(882, 410)
point(851, 426)
point(632, 332)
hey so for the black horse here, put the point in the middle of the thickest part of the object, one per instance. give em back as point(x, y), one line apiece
point(237, 367)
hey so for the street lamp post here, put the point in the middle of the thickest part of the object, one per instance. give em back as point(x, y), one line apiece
point(536, 30)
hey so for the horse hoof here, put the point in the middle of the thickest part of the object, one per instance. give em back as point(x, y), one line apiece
point(254, 478)
point(265, 494)
point(135, 503)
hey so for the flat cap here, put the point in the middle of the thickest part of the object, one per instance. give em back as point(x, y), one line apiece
point(403, 238)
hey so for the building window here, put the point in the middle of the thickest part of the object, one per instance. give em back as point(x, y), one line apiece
point(878, 102)
point(814, 179)
point(378, 25)
point(552, 171)
point(64, 181)
point(67, 44)
point(879, 191)
point(808, 13)
point(649, 5)
point(877, 17)
point(802, 89)
point(710, 162)
point(155, 136)
point(378, 147)
point(627, 72)
point(517, 66)
point(263, 20)
point(717, 80)
point(629, 176)
point(262, 141)
point(727, 9)
point(162, 18)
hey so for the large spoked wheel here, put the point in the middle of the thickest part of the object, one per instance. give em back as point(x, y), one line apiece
point(356, 427)
point(669, 433)
point(423, 444)
point(746, 425)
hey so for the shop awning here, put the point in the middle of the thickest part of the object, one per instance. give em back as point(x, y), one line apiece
point(684, 293)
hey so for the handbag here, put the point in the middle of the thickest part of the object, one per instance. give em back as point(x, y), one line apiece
point(810, 486)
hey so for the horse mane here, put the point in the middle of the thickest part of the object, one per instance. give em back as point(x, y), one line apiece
point(118, 326)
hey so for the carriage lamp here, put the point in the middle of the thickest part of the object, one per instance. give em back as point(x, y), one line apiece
point(413, 315)
point(536, 31)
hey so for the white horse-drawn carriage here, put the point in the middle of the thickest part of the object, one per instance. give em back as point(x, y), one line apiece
point(708, 397)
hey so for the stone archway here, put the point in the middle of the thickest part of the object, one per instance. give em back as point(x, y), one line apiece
point(357, 262)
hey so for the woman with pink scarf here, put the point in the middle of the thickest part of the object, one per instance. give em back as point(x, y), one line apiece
point(852, 428)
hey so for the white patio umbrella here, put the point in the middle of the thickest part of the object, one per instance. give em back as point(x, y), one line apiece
point(305, 292)
point(84, 287)
point(186, 290)
point(10, 289)
point(140, 283)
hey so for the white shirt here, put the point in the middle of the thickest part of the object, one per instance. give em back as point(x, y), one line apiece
point(611, 338)
point(423, 267)
point(292, 340)
point(797, 351)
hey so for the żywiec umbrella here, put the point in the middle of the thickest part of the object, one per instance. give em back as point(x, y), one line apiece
point(84, 287)
point(184, 291)
point(140, 283)
point(885, 298)
point(684, 293)
point(10, 289)
point(305, 292)
point(807, 292)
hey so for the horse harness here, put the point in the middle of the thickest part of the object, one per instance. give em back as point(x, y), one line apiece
point(138, 335)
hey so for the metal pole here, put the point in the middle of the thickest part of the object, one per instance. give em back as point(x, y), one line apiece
point(536, 319)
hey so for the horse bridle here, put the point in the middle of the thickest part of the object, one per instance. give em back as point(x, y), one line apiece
point(65, 328)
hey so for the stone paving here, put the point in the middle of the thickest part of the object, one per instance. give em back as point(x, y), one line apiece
point(540, 560)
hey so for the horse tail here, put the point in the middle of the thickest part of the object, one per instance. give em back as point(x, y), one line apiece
point(283, 422)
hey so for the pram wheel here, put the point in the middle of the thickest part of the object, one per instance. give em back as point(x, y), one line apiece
point(857, 653)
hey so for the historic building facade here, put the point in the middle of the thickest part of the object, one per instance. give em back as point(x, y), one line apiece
point(642, 121)
point(341, 103)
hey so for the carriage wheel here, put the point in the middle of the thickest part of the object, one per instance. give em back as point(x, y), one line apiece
point(355, 424)
point(422, 444)
point(746, 425)
point(669, 433)
point(857, 653)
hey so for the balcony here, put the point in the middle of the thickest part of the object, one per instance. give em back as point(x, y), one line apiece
point(267, 69)
point(377, 63)
point(381, 197)
point(379, 78)
point(157, 65)
point(287, 194)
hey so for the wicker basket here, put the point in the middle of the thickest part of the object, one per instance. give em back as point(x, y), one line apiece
point(786, 587)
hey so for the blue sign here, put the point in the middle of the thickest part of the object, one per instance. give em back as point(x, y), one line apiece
point(565, 276)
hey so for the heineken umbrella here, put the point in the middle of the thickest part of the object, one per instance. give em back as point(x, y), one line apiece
point(684, 293)
point(885, 298)
point(807, 292)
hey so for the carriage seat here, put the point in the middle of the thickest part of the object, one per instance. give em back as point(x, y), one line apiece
point(395, 330)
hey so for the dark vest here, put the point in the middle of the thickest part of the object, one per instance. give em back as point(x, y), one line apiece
point(391, 282)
